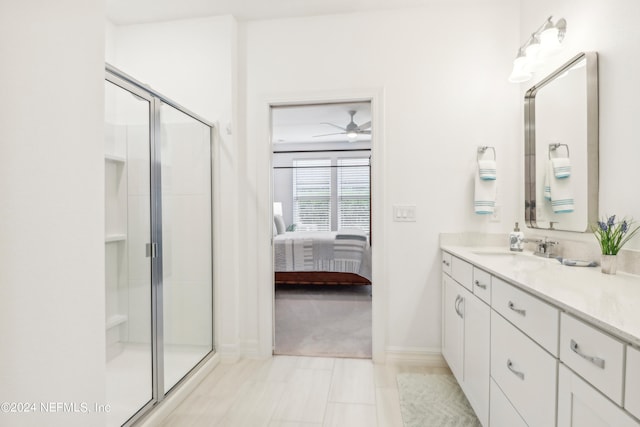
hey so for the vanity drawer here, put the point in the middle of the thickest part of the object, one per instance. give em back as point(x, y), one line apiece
point(525, 372)
point(482, 285)
point(594, 355)
point(503, 414)
point(446, 263)
point(533, 316)
point(462, 272)
point(632, 394)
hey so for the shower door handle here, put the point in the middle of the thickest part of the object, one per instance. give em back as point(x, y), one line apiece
point(151, 250)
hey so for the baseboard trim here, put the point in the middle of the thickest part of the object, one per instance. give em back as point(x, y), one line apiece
point(250, 349)
point(162, 410)
point(423, 356)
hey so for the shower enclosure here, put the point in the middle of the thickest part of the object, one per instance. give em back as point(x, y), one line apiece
point(158, 245)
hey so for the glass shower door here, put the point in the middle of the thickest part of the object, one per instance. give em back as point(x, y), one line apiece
point(127, 268)
point(187, 304)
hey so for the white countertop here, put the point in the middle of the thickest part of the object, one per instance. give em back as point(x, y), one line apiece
point(611, 302)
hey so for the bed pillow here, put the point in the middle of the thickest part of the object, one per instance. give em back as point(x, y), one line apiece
point(280, 226)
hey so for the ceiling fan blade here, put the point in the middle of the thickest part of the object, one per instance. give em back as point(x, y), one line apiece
point(365, 125)
point(330, 134)
point(364, 132)
point(335, 126)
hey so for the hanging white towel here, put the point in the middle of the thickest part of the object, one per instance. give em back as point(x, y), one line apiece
point(561, 167)
point(487, 169)
point(560, 192)
point(547, 181)
point(485, 194)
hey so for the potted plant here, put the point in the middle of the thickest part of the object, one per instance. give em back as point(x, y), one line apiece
point(612, 236)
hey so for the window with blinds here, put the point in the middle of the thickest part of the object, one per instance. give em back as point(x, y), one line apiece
point(353, 193)
point(312, 194)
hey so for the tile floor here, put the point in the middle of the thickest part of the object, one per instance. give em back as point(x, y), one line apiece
point(296, 391)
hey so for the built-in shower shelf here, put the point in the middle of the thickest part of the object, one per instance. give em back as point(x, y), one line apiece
point(114, 158)
point(109, 238)
point(115, 320)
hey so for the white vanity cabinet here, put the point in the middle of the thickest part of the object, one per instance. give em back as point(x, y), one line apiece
point(524, 359)
point(465, 338)
point(594, 355)
point(502, 412)
point(452, 325)
point(581, 405)
point(632, 382)
point(524, 371)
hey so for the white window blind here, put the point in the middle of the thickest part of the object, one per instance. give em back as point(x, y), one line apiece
point(312, 194)
point(353, 194)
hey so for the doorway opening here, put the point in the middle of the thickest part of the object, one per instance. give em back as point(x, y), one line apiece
point(322, 229)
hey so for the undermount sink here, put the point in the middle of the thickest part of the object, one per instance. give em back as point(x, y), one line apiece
point(515, 256)
point(497, 253)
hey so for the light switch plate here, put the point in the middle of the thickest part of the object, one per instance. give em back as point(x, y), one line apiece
point(405, 213)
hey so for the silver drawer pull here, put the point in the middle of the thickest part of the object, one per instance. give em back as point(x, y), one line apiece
point(520, 311)
point(595, 360)
point(480, 285)
point(516, 373)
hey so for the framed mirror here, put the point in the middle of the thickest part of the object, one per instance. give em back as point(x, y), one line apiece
point(561, 147)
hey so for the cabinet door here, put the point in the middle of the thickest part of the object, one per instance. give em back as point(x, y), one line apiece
point(452, 325)
point(476, 354)
point(525, 372)
point(503, 414)
point(632, 395)
point(580, 405)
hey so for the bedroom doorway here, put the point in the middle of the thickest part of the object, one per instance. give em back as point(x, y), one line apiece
point(321, 187)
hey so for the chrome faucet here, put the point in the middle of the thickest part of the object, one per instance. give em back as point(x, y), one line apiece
point(544, 247)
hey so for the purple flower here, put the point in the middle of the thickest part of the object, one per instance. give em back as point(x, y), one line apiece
point(611, 220)
point(602, 226)
point(625, 227)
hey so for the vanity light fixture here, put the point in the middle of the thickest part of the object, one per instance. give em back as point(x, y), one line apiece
point(543, 42)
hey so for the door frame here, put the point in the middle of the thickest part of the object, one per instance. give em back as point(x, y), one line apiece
point(266, 294)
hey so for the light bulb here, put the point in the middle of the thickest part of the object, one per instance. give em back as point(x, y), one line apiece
point(532, 50)
point(520, 72)
point(352, 136)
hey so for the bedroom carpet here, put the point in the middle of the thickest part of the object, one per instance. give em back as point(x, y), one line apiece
point(433, 400)
point(328, 321)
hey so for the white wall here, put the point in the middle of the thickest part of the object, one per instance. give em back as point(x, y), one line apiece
point(610, 28)
point(52, 211)
point(193, 62)
point(443, 71)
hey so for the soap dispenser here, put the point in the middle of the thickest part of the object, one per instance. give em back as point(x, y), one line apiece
point(516, 239)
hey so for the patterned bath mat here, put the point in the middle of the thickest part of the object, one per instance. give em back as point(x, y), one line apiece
point(430, 400)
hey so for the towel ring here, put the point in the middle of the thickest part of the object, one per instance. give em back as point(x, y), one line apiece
point(555, 146)
point(483, 149)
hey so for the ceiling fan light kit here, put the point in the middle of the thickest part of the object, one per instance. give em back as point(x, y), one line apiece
point(352, 130)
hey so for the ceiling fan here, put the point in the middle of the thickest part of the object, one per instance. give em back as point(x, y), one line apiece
point(352, 130)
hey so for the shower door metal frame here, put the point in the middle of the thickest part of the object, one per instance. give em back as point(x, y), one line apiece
point(156, 99)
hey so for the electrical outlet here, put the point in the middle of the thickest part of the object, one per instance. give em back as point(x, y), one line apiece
point(496, 216)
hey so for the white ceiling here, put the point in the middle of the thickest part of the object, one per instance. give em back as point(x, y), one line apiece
point(293, 124)
point(123, 12)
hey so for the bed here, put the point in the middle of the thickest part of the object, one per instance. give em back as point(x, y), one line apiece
point(329, 258)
